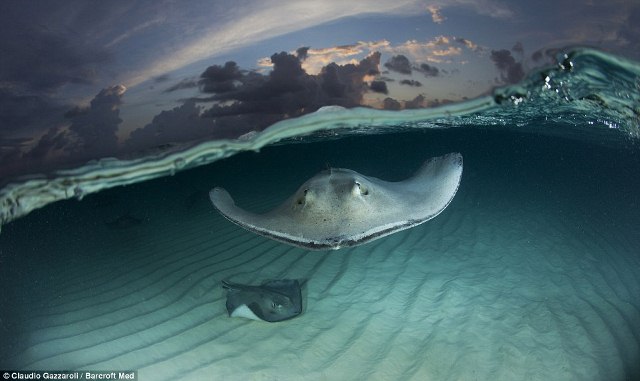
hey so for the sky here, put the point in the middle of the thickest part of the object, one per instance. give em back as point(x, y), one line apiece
point(81, 80)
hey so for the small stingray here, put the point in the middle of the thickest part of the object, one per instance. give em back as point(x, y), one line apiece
point(341, 208)
point(273, 301)
point(123, 222)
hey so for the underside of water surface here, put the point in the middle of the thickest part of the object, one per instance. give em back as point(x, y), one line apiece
point(531, 272)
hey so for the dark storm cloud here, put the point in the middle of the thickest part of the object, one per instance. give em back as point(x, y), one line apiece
point(417, 102)
point(248, 101)
point(537, 55)
point(399, 64)
point(428, 70)
point(220, 79)
point(289, 89)
point(36, 60)
point(183, 123)
point(411, 82)
point(95, 128)
point(91, 133)
point(379, 87)
point(510, 70)
point(302, 53)
point(547, 56)
point(344, 85)
point(54, 140)
point(391, 104)
point(87, 133)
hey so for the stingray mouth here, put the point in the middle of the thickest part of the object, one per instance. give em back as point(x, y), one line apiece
point(340, 241)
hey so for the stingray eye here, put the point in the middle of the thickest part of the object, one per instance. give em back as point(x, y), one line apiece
point(300, 200)
point(363, 190)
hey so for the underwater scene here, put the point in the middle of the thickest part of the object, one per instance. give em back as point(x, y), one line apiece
point(316, 220)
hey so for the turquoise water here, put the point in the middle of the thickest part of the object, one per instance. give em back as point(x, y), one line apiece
point(532, 272)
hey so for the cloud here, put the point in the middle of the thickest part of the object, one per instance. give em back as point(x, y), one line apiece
point(335, 84)
point(181, 124)
point(469, 44)
point(218, 79)
point(379, 87)
point(80, 36)
point(428, 70)
point(253, 21)
point(94, 128)
point(88, 133)
point(314, 59)
point(411, 82)
point(436, 15)
point(417, 102)
point(54, 139)
point(243, 101)
point(391, 104)
point(510, 70)
point(399, 64)
point(302, 53)
point(439, 49)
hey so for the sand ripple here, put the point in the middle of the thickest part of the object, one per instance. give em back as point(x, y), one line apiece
point(520, 295)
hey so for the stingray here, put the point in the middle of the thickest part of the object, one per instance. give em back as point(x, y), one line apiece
point(341, 208)
point(272, 301)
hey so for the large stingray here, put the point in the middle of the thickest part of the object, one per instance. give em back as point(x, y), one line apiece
point(340, 207)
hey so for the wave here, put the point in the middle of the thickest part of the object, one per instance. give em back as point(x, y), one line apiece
point(587, 95)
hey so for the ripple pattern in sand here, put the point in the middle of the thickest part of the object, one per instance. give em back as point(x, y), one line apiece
point(478, 293)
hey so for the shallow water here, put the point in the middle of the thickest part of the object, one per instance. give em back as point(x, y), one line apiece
point(532, 272)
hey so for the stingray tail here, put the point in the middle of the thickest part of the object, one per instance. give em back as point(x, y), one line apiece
point(228, 285)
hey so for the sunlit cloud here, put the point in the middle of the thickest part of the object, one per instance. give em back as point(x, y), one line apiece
point(316, 58)
point(436, 15)
point(439, 49)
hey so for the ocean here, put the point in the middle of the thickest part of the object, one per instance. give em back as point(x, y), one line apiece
point(532, 271)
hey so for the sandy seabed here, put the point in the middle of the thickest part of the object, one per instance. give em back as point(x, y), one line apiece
point(510, 282)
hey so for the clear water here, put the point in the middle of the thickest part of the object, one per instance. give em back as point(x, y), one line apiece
point(532, 272)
